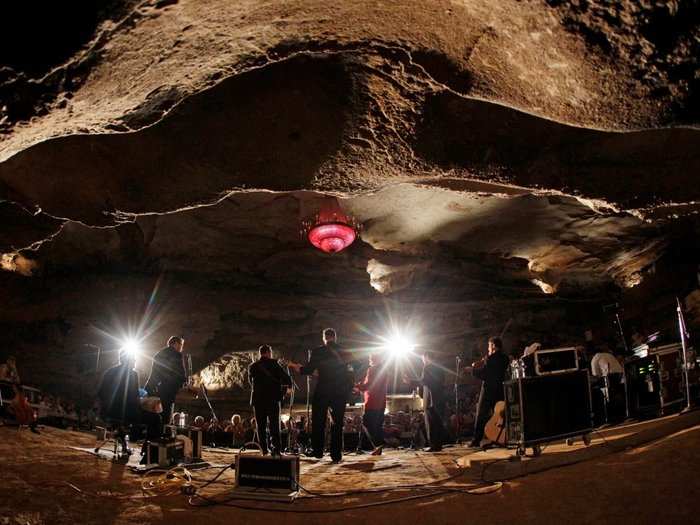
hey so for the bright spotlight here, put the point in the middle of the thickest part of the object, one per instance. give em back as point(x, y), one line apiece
point(131, 347)
point(399, 346)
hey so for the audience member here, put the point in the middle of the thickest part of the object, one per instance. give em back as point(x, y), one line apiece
point(8, 371)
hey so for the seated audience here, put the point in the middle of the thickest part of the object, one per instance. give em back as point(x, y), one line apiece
point(8, 371)
point(20, 411)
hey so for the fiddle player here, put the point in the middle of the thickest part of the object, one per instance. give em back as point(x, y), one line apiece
point(492, 371)
point(373, 388)
point(268, 381)
point(167, 375)
point(335, 382)
point(118, 395)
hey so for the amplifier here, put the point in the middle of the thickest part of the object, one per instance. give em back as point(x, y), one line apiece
point(556, 361)
point(547, 408)
point(656, 381)
point(165, 454)
point(267, 477)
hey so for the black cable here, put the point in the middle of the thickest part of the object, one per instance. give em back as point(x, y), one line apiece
point(227, 503)
point(432, 487)
point(213, 480)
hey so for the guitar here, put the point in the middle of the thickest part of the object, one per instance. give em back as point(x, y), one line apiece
point(495, 430)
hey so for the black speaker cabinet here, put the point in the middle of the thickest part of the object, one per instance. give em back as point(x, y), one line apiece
point(546, 408)
point(267, 472)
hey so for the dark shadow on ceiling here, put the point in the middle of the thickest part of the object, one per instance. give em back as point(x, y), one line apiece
point(270, 129)
point(634, 169)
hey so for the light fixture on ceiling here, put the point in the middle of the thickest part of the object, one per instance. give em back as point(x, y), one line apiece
point(331, 230)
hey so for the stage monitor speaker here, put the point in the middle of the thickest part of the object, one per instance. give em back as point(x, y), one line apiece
point(267, 473)
point(166, 454)
point(550, 407)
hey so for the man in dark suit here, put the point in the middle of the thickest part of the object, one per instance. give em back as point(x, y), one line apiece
point(492, 371)
point(268, 381)
point(167, 375)
point(336, 378)
point(118, 394)
point(432, 383)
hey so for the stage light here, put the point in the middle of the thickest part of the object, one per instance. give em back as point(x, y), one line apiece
point(131, 346)
point(399, 346)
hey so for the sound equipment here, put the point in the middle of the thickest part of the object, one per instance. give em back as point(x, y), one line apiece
point(646, 349)
point(556, 361)
point(547, 408)
point(267, 477)
point(656, 380)
point(165, 454)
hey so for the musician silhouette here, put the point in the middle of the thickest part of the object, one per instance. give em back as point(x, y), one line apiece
point(336, 378)
point(268, 381)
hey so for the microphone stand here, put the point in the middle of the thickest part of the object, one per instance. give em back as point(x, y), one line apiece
point(458, 434)
point(618, 321)
point(684, 344)
point(290, 421)
point(308, 390)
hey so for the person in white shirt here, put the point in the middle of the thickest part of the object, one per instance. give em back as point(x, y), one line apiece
point(605, 366)
point(604, 363)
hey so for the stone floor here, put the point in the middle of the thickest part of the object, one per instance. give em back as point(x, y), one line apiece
point(641, 472)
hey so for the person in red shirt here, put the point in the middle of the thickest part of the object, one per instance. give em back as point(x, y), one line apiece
point(374, 389)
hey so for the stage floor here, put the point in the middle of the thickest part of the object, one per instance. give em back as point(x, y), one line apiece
point(642, 472)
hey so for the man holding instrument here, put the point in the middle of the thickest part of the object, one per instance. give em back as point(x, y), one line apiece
point(118, 395)
point(335, 381)
point(373, 388)
point(492, 371)
point(167, 375)
point(269, 382)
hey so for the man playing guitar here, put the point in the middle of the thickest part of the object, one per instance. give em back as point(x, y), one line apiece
point(492, 371)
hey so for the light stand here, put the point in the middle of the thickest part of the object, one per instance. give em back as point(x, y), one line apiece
point(684, 344)
point(363, 431)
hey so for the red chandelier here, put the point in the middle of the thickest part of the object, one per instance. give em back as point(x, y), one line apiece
point(331, 230)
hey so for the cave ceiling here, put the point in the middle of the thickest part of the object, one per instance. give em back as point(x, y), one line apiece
point(490, 148)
